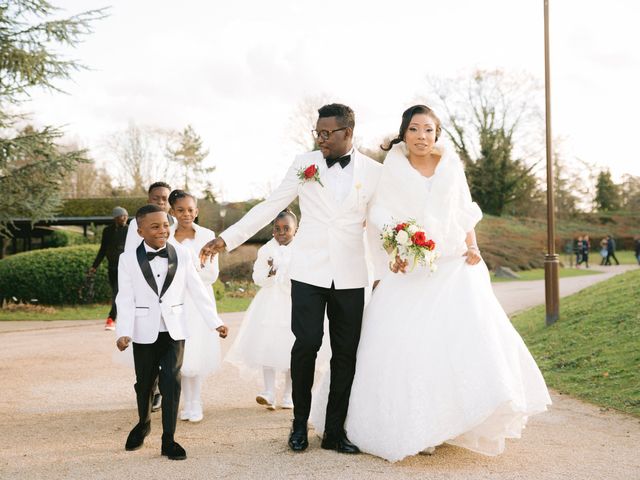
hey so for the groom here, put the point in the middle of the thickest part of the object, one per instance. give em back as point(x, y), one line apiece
point(328, 269)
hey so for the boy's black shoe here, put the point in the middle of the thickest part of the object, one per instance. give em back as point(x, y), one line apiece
point(136, 436)
point(173, 451)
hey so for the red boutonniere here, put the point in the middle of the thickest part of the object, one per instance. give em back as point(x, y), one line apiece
point(311, 173)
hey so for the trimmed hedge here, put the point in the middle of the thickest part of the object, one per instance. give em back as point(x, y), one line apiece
point(98, 207)
point(64, 238)
point(54, 276)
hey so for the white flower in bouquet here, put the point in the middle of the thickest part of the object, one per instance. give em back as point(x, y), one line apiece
point(412, 229)
point(402, 238)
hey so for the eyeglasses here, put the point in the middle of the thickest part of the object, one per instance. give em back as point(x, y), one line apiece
point(325, 134)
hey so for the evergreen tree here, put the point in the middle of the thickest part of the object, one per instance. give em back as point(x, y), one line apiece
point(189, 154)
point(32, 166)
point(607, 193)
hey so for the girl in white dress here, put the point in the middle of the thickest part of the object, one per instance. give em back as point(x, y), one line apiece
point(438, 360)
point(202, 347)
point(265, 339)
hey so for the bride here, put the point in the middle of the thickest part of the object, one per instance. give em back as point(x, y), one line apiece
point(438, 360)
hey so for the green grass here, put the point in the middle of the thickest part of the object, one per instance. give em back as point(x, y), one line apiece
point(538, 274)
point(100, 311)
point(593, 351)
point(626, 257)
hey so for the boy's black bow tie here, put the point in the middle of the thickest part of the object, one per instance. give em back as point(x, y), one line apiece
point(344, 161)
point(160, 253)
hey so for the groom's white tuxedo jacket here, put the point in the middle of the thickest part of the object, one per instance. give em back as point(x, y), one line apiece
point(143, 304)
point(329, 245)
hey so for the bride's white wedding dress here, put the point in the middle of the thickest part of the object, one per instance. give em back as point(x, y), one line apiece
point(439, 360)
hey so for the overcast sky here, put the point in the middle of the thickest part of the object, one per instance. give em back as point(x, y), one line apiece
point(237, 70)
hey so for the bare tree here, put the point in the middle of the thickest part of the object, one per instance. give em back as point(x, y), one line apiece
point(493, 119)
point(141, 154)
point(303, 120)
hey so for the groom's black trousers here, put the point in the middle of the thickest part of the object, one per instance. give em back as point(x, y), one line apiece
point(344, 310)
point(160, 360)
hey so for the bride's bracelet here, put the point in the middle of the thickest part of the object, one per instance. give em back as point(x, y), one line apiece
point(473, 247)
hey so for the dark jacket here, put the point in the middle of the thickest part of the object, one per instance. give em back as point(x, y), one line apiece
point(112, 245)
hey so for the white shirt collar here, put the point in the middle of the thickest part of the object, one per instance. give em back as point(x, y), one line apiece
point(151, 249)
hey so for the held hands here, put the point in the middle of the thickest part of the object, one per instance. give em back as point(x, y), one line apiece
point(223, 331)
point(399, 265)
point(473, 255)
point(211, 249)
point(122, 343)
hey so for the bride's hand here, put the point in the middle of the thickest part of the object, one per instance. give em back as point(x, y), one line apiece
point(473, 255)
point(399, 265)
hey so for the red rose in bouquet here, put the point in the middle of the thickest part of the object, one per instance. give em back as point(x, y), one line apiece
point(419, 238)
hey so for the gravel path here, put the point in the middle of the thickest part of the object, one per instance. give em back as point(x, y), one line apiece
point(66, 409)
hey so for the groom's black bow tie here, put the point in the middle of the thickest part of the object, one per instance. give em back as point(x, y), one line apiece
point(160, 253)
point(344, 161)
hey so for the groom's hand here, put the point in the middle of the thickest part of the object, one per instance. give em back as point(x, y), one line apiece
point(123, 342)
point(211, 249)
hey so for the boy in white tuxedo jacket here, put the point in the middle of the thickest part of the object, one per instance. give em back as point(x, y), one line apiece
point(153, 281)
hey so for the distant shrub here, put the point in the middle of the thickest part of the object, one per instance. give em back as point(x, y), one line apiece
point(100, 207)
point(54, 276)
point(63, 238)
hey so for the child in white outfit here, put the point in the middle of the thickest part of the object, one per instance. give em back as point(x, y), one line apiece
point(202, 347)
point(265, 338)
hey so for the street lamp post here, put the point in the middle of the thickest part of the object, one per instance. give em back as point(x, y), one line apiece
point(551, 261)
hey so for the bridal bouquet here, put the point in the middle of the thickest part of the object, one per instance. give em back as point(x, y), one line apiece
point(409, 240)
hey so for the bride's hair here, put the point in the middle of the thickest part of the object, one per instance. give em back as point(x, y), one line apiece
point(406, 120)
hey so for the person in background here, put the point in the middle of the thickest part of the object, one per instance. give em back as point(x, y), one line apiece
point(584, 250)
point(568, 250)
point(111, 246)
point(577, 248)
point(603, 250)
point(611, 250)
point(637, 249)
point(158, 194)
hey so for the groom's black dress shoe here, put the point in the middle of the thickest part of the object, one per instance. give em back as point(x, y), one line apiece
point(173, 451)
point(298, 441)
point(338, 442)
point(136, 436)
